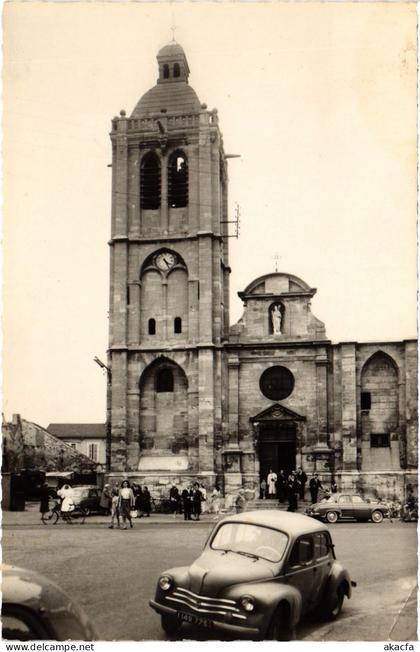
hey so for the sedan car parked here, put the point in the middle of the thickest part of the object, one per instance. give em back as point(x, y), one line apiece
point(34, 609)
point(88, 497)
point(258, 574)
point(348, 506)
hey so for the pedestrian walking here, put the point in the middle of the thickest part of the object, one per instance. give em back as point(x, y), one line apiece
point(126, 503)
point(302, 479)
point(271, 483)
point(105, 500)
point(44, 494)
point(240, 501)
point(314, 486)
point(115, 512)
point(197, 500)
point(216, 500)
point(186, 503)
point(146, 502)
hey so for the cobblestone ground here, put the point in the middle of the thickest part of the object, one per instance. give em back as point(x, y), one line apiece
point(112, 573)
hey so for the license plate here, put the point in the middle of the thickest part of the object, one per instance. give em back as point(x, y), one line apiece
point(194, 620)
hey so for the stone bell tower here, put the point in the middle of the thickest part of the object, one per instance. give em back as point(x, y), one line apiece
point(169, 300)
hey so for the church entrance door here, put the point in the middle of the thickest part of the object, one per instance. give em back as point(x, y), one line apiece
point(277, 448)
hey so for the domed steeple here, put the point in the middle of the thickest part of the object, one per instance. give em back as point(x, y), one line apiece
point(173, 65)
point(172, 92)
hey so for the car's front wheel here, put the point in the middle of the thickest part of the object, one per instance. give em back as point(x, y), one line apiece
point(332, 517)
point(279, 628)
point(170, 624)
point(377, 516)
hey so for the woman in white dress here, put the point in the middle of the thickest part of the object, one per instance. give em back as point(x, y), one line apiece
point(67, 505)
point(216, 500)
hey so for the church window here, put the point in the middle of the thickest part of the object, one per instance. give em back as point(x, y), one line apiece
point(152, 326)
point(365, 400)
point(177, 180)
point(277, 383)
point(165, 71)
point(164, 380)
point(177, 325)
point(177, 70)
point(379, 440)
point(150, 182)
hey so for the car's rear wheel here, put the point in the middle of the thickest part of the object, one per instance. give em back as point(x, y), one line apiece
point(279, 628)
point(377, 516)
point(332, 517)
point(170, 624)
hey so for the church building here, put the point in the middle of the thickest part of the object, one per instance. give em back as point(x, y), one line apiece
point(191, 397)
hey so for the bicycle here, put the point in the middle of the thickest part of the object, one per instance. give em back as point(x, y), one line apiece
point(78, 514)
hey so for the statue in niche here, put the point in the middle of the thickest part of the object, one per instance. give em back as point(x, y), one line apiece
point(276, 319)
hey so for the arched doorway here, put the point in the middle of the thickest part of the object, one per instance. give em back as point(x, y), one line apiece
point(277, 439)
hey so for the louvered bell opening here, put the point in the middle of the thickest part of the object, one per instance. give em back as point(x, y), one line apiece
point(178, 181)
point(150, 182)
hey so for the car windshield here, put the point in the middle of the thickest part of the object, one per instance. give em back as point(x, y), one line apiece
point(80, 493)
point(253, 540)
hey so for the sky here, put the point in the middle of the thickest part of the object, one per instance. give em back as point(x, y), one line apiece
point(319, 100)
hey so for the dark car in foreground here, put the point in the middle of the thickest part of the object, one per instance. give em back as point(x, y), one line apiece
point(36, 609)
point(258, 574)
point(348, 506)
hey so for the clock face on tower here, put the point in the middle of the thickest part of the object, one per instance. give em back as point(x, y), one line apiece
point(165, 260)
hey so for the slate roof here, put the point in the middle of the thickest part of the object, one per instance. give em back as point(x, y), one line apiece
point(78, 430)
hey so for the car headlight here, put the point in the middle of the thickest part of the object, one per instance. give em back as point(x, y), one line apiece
point(165, 582)
point(248, 603)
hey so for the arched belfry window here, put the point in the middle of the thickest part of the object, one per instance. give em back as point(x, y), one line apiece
point(164, 380)
point(177, 70)
point(177, 180)
point(150, 181)
point(165, 71)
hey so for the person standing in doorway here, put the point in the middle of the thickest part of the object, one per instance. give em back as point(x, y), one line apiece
point(271, 483)
point(263, 489)
point(281, 485)
point(291, 493)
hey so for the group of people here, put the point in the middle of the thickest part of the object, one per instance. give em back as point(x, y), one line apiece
point(292, 487)
point(193, 501)
point(125, 502)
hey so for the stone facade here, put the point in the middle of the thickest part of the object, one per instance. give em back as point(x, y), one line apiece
point(190, 397)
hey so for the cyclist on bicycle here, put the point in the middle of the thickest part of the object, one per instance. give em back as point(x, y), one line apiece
point(67, 505)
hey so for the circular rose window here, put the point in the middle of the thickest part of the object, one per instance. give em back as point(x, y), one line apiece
point(277, 383)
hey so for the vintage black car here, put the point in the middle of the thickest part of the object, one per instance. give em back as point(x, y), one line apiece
point(88, 497)
point(258, 574)
point(348, 506)
point(34, 608)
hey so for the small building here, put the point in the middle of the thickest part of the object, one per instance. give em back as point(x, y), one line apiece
point(87, 438)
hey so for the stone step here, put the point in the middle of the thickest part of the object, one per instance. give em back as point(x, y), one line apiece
point(273, 504)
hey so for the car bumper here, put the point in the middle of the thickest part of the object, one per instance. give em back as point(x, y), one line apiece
point(217, 624)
